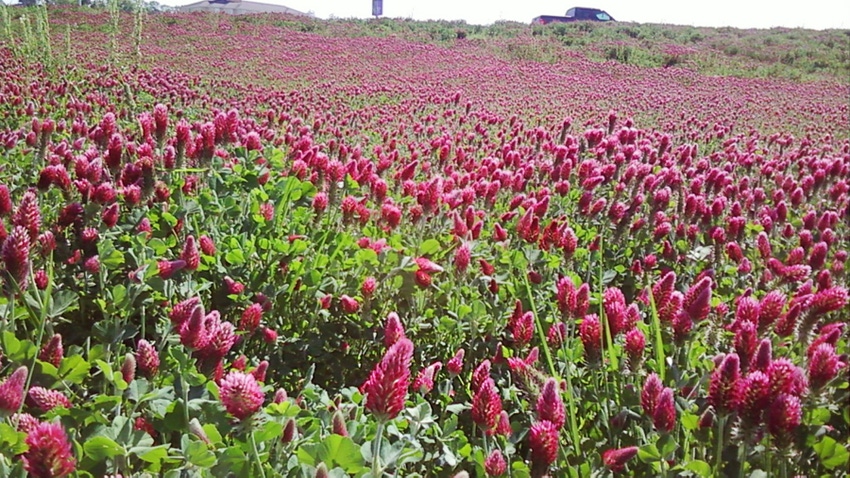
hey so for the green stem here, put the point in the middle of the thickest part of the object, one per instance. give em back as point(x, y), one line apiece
point(658, 345)
point(742, 459)
point(567, 375)
point(376, 452)
point(768, 458)
point(543, 343)
point(718, 458)
point(42, 317)
point(256, 455)
point(184, 388)
point(144, 322)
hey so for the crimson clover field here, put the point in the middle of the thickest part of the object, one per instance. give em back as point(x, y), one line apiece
point(278, 246)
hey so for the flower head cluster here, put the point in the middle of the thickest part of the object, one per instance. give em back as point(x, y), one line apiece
point(49, 452)
point(12, 391)
point(393, 329)
point(15, 257)
point(616, 459)
point(543, 441)
point(657, 403)
point(550, 405)
point(386, 388)
point(424, 381)
point(52, 352)
point(486, 406)
point(455, 364)
point(240, 394)
point(495, 464)
point(46, 399)
point(147, 358)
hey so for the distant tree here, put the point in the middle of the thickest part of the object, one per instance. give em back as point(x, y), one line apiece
point(32, 3)
point(129, 5)
point(123, 5)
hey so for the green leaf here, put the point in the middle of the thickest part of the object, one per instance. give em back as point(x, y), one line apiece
point(699, 467)
point(11, 439)
point(520, 470)
point(700, 253)
point(74, 369)
point(457, 408)
point(169, 218)
point(119, 294)
point(343, 452)
point(649, 454)
point(429, 246)
point(18, 350)
point(667, 445)
point(102, 447)
point(197, 453)
point(690, 421)
point(366, 256)
point(10, 343)
point(269, 431)
point(449, 456)
point(831, 453)
point(113, 260)
point(47, 369)
point(212, 433)
point(234, 461)
point(137, 389)
point(235, 257)
point(62, 302)
point(819, 416)
point(308, 453)
point(150, 454)
point(106, 369)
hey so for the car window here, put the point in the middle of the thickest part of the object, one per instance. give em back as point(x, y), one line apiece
point(603, 16)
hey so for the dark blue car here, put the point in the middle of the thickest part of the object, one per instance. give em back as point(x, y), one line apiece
point(575, 14)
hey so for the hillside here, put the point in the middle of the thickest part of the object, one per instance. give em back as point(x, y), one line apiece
point(777, 53)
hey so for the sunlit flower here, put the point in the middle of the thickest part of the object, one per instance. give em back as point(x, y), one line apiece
point(240, 394)
point(386, 388)
point(494, 464)
point(543, 441)
point(49, 453)
point(12, 391)
point(616, 459)
point(486, 406)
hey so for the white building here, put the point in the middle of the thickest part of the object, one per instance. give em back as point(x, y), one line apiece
point(237, 7)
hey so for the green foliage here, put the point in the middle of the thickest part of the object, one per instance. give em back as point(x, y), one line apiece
point(296, 260)
point(808, 54)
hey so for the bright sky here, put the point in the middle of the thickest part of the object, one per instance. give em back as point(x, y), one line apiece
point(815, 14)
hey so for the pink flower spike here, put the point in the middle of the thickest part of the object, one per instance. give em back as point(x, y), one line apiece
point(12, 391)
point(455, 364)
point(386, 388)
point(616, 459)
point(393, 329)
point(550, 405)
point(427, 266)
point(543, 441)
point(486, 407)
